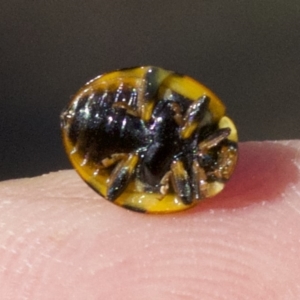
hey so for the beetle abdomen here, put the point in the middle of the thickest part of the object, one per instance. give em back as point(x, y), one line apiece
point(97, 129)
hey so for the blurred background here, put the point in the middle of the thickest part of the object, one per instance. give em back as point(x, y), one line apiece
point(247, 52)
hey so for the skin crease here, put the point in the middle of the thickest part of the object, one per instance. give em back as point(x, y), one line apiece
point(60, 240)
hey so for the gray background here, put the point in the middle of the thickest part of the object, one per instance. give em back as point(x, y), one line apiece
point(248, 52)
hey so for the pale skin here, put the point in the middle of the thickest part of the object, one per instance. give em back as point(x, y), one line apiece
point(60, 240)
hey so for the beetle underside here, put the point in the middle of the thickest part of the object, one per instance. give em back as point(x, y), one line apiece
point(183, 170)
point(150, 139)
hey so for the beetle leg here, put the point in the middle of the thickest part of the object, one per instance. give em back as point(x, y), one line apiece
point(200, 184)
point(181, 182)
point(165, 185)
point(112, 159)
point(148, 89)
point(145, 109)
point(226, 162)
point(120, 176)
point(195, 114)
point(128, 108)
point(177, 114)
point(214, 139)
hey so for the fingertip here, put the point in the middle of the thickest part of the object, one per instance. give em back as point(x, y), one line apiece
point(60, 239)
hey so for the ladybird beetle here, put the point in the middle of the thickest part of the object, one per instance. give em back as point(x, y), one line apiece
point(149, 139)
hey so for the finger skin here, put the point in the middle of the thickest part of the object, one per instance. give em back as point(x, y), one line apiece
point(60, 240)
